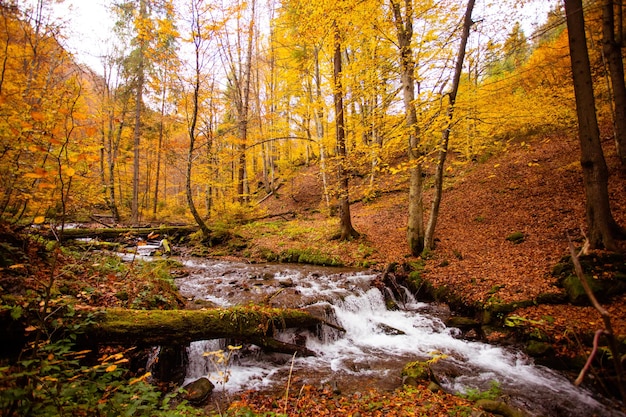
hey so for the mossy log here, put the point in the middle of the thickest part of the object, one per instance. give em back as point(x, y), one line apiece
point(162, 327)
point(112, 233)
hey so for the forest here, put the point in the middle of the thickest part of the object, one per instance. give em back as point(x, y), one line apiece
point(477, 156)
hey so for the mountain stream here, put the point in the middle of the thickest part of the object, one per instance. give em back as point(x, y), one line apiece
point(376, 345)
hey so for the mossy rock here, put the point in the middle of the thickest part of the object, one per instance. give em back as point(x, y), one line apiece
point(463, 323)
point(551, 298)
point(501, 308)
point(308, 256)
point(603, 289)
point(536, 348)
point(516, 237)
point(605, 273)
point(499, 408)
point(415, 373)
point(575, 291)
point(419, 286)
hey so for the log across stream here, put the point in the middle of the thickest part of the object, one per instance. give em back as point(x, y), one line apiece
point(374, 345)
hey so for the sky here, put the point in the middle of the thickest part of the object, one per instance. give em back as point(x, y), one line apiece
point(89, 24)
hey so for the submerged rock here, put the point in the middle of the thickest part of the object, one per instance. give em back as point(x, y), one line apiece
point(388, 330)
point(499, 408)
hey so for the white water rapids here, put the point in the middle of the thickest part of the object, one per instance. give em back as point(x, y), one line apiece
point(375, 346)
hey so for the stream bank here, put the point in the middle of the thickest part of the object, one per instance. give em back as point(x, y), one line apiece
point(377, 320)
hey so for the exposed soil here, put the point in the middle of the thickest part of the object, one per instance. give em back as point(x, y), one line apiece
point(534, 188)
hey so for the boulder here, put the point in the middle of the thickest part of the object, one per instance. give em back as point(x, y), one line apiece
point(198, 391)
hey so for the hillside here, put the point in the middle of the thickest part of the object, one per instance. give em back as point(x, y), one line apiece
point(534, 188)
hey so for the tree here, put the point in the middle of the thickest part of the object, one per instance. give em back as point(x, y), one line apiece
point(45, 142)
point(515, 48)
point(403, 18)
point(198, 39)
point(162, 80)
point(429, 236)
point(146, 38)
point(346, 231)
point(612, 43)
point(142, 37)
point(114, 99)
point(238, 54)
point(602, 228)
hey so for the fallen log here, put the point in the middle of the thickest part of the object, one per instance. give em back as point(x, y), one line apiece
point(166, 327)
point(112, 233)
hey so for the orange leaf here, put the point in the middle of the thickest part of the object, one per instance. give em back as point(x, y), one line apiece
point(37, 116)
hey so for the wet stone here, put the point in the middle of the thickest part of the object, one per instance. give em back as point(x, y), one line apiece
point(198, 391)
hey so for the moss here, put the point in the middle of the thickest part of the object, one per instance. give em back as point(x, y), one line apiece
point(415, 373)
point(516, 237)
point(537, 348)
point(122, 295)
point(575, 290)
point(268, 254)
point(308, 256)
point(156, 327)
point(551, 298)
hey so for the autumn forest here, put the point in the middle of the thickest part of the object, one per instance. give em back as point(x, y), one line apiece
point(156, 138)
point(234, 116)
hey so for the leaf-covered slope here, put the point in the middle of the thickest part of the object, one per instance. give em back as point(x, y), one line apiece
point(532, 189)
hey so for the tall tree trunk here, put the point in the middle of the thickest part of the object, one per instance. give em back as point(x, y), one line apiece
point(404, 30)
point(155, 201)
point(245, 109)
point(429, 237)
point(113, 140)
point(602, 228)
point(198, 33)
point(345, 220)
point(613, 52)
point(319, 126)
point(137, 132)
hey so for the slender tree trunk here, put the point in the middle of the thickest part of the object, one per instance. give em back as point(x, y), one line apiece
point(111, 158)
point(155, 201)
point(613, 52)
point(198, 33)
point(429, 237)
point(319, 126)
point(602, 228)
point(137, 132)
point(404, 30)
point(345, 220)
point(245, 109)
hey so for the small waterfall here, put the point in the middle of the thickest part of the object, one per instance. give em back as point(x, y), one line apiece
point(377, 343)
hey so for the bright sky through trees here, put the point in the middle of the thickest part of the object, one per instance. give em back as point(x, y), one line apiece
point(89, 23)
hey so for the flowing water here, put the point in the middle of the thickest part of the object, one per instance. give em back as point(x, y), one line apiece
point(376, 344)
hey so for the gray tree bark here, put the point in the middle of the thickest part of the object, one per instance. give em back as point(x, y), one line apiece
point(404, 31)
point(429, 237)
point(612, 48)
point(602, 228)
point(347, 231)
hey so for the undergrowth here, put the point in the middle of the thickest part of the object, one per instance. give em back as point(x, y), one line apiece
point(53, 373)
